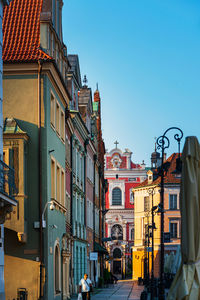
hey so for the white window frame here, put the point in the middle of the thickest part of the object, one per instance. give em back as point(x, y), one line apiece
point(173, 194)
point(58, 121)
point(55, 177)
point(62, 125)
point(175, 221)
point(131, 195)
point(53, 99)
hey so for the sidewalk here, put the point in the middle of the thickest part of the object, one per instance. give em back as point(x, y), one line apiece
point(123, 290)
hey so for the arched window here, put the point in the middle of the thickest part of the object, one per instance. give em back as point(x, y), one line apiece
point(57, 285)
point(117, 253)
point(117, 232)
point(116, 196)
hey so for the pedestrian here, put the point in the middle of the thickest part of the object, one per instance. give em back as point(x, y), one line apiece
point(85, 287)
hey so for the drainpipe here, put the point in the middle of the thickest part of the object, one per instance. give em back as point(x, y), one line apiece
point(85, 176)
point(71, 206)
point(95, 159)
point(100, 214)
point(40, 62)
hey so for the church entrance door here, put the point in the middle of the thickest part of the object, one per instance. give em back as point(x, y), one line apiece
point(117, 269)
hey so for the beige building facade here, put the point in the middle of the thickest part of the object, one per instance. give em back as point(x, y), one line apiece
point(146, 197)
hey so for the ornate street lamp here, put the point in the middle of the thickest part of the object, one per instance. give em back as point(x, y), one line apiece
point(164, 143)
point(151, 192)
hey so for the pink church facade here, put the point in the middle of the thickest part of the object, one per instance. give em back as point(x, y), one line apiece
point(122, 175)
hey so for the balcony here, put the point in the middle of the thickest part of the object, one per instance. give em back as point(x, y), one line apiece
point(7, 183)
point(7, 190)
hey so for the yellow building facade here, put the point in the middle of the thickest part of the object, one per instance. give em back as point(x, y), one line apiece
point(146, 197)
point(143, 219)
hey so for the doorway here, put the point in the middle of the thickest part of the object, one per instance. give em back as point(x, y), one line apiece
point(117, 269)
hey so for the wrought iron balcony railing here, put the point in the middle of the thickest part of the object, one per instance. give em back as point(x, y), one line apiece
point(7, 181)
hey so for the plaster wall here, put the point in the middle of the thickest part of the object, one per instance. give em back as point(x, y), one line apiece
point(13, 279)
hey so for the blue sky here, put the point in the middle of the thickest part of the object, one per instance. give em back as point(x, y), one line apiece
point(145, 56)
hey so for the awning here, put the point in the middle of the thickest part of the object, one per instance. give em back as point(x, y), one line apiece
point(100, 249)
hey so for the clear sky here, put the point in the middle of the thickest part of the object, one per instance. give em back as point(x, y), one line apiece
point(145, 56)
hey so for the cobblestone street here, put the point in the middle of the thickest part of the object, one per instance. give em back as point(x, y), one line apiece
point(123, 290)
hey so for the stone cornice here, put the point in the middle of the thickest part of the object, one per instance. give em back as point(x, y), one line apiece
point(118, 211)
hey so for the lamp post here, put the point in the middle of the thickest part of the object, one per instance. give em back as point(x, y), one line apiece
point(151, 192)
point(147, 241)
point(164, 143)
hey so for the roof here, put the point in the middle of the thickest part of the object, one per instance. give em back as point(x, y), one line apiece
point(75, 67)
point(21, 28)
point(169, 178)
point(11, 126)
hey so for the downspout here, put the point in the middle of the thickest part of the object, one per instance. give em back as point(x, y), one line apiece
point(85, 198)
point(40, 62)
point(85, 180)
point(100, 214)
point(100, 208)
point(71, 207)
point(95, 158)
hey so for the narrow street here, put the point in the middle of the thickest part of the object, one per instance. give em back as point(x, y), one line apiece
point(123, 290)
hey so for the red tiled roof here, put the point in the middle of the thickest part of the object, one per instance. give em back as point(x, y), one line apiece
point(135, 166)
point(169, 178)
point(21, 31)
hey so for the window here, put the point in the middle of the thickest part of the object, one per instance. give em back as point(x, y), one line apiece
point(117, 253)
point(53, 182)
point(173, 230)
point(88, 213)
point(146, 203)
point(62, 125)
point(58, 183)
point(117, 232)
point(57, 118)
point(173, 201)
point(81, 266)
point(131, 196)
point(62, 188)
point(57, 269)
point(52, 110)
point(116, 196)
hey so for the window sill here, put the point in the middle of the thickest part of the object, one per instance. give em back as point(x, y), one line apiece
point(58, 205)
point(53, 127)
point(58, 134)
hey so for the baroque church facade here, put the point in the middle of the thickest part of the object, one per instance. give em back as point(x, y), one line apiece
point(122, 175)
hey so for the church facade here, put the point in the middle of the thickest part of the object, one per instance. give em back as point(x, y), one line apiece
point(122, 175)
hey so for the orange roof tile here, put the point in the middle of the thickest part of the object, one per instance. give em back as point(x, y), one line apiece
point(169, 177)
point(21, 31)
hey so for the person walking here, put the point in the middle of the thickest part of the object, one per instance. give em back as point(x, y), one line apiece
point(85, 287)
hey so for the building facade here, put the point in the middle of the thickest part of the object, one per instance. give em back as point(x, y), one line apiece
point(37, 97)
point(53, 140)
point(146, 196)
point(7, 182)
point(122, 175)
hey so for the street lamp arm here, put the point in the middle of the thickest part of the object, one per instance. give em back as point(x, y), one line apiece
point(45, 208)
point(176, 136)
point(163, 141)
